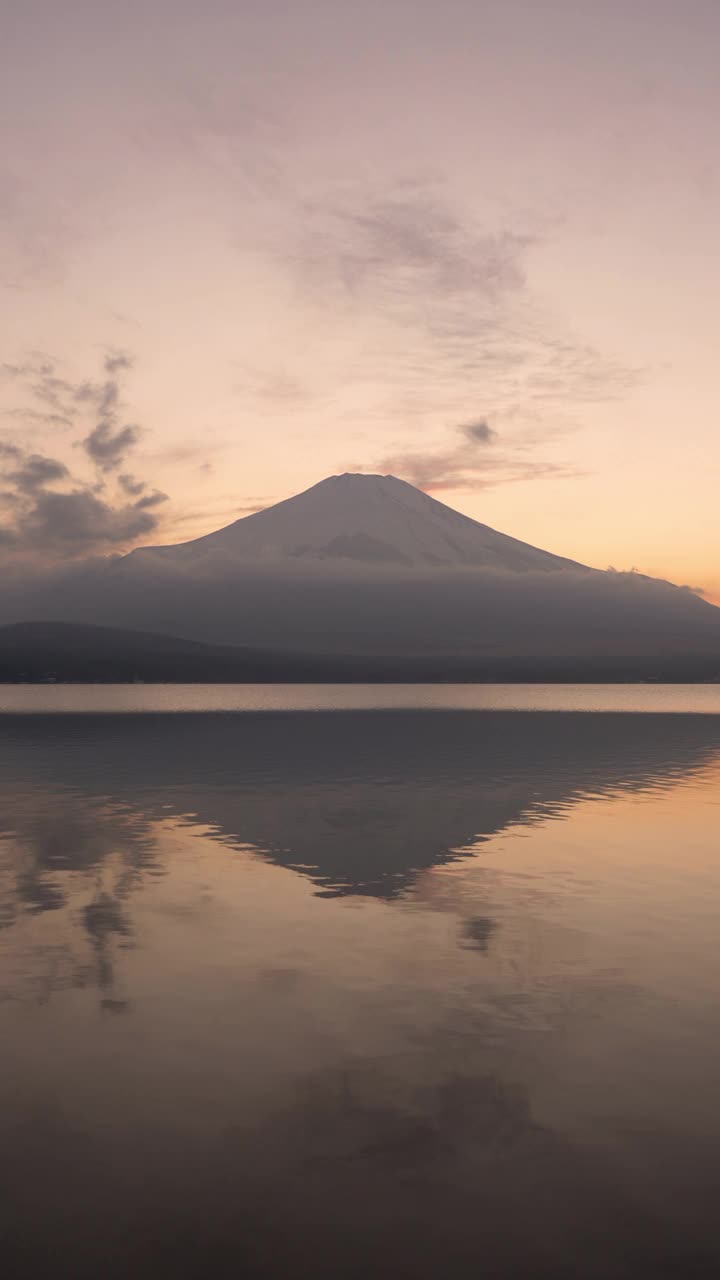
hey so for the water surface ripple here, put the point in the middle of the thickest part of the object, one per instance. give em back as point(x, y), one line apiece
point(316, 995)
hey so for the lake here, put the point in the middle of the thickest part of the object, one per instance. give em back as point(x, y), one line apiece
point(360, 981)
point(92, 698)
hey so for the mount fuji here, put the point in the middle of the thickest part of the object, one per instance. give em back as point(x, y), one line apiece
point(365, 570)
point(367, 518)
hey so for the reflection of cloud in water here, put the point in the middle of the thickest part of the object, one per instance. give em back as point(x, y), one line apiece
point(477, 932)
point(59, 845)
point(305, 1088)
point(104, 920)
point(359, 803)
point(358, 1171)
point(55, 832)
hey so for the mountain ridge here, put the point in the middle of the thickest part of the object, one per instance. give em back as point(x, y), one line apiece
point(41, 650)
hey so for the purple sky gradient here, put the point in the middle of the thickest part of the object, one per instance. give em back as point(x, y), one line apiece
point(328, 236)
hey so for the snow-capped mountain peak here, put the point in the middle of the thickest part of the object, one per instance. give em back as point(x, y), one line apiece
point(368, 518)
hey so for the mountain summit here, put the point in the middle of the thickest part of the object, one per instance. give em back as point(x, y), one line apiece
point(368, 518)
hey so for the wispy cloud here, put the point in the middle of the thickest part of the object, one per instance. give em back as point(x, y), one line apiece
point(475, 458)
point(408, 242)
point(108, 446)
point(478, 432)
point(444, 318)
point(29, 472)
point(76, 523)
point(130, 485)
point(48, 509)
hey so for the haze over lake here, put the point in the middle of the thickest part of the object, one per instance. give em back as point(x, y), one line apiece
point(322, 992)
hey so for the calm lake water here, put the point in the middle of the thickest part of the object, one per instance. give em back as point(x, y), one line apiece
point(33, 698)
point(399, 993)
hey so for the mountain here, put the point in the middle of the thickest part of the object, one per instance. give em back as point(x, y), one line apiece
point(367, 577)
point(366, 518)
point(32, 652)
point(78, 651)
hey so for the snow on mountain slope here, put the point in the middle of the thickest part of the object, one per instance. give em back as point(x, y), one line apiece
point(368, 518)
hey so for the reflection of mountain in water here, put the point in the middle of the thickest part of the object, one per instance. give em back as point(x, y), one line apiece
point(259, 1111)
point(357, 802)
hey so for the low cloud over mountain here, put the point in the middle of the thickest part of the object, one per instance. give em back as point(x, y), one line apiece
point(368, 564)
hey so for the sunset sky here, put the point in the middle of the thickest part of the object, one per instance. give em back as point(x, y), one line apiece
point(245, 244)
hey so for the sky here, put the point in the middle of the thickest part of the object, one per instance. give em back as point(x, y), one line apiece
point(246, 244)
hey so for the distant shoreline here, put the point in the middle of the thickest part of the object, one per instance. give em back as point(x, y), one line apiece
point(361, 680)
point(75, 653)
